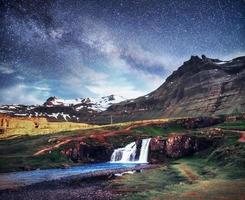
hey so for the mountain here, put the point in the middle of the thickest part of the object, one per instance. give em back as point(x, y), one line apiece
point(57, 109)
point(201, 86)
point(96, 104)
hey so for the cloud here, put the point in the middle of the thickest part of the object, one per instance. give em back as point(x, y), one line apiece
point(23, 94)
point(118, 53)
point(56, 33)
point(125, 91)
point(117, 76)
point(4, 69)
point(149, 59)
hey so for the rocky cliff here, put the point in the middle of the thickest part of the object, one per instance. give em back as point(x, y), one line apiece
point(200, 87)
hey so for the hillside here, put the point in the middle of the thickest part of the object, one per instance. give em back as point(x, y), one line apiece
point(200, 87)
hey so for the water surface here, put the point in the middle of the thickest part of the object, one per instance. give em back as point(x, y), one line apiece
point(14, 179)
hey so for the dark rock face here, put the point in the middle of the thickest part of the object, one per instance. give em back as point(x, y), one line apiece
point(160, 148)
point(157, 150)
point(200, 87)
point(176, 146)
point(196, 122)
point(89, 153)
point(95, 153)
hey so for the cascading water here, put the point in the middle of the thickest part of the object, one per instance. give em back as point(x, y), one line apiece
point(128, 153)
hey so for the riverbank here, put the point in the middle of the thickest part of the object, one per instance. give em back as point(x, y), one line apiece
point(94, 189)
point(189, 178)
point(87, 186)
point(215, 172)
point(90, 171)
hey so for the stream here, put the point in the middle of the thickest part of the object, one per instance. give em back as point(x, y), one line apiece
point(121, 160)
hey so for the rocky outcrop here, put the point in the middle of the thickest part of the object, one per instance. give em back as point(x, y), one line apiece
point(160, 148)
point(180, 145)
point(83, 152)
point(176, 146)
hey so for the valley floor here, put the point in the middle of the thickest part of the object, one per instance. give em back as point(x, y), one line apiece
point(178, 180)
point(216, 173)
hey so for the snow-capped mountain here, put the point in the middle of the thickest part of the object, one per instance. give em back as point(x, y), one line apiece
point(58, 109)
point(96, 104)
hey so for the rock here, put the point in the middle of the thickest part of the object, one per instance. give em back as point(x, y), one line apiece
point(74, 155)
point(157, 150)
point(178, 145)
point(175, 146)
point(27, 168)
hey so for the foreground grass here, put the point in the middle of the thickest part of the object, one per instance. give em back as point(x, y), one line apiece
point(211, 182)
point(233, 125)
point(17, 153)
point(215, 173)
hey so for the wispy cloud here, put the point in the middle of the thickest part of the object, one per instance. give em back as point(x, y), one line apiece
point(22, 94)
point(125, 91)
point(5, 69)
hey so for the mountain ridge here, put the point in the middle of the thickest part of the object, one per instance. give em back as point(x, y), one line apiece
point(201, 86)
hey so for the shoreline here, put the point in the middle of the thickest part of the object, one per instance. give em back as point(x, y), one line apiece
point(81, 177)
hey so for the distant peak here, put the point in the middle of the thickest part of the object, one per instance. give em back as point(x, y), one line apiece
point(194, 60)
point(203, 59)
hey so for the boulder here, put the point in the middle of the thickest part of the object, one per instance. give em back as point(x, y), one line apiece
point(178, 145)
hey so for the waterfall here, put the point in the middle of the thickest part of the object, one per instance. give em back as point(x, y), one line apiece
point(127, 154)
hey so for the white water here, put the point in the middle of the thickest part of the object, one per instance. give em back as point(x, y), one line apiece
point(128, 153)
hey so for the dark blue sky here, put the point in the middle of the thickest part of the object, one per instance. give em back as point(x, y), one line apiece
point(76, 49)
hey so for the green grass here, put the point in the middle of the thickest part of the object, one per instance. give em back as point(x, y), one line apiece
point(236, 125)
point(220, 169)
point(170, 183)
point(156, 130)
point(148, 184)
point(16, 153)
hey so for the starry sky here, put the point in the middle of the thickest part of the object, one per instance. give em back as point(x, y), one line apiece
point(92, 48)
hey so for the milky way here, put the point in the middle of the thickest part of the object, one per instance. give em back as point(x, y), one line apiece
point(76, 49)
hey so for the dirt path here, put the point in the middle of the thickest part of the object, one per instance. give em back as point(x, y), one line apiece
point(188, 172)
point(99, 136)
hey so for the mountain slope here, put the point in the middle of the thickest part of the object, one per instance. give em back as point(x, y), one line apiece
point(201, 86)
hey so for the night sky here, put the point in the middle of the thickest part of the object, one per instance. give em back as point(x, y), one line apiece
point(74, 49)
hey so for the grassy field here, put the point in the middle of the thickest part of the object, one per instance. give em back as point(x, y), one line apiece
point(157, 130)
point(24, 126)
point(216, 173)
point(17, 150)
point(222, 165)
